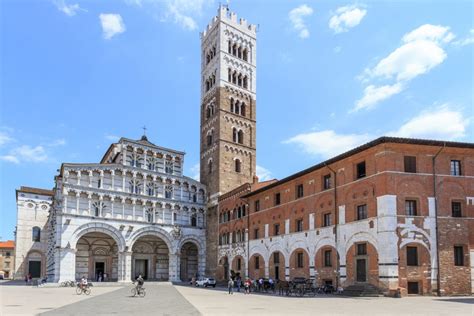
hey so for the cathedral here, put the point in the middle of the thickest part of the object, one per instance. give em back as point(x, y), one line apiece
point(392, 216)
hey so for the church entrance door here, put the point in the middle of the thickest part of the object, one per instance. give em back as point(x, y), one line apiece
point(141, 267)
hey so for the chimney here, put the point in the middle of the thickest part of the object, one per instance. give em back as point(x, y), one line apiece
point(255, 179)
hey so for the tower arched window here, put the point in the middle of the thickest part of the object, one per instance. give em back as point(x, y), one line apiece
point(229, 75)
point(245, 54)
point(99, 208)
point(232, 105)
point(234, 50)
point(36, 234)
point(208, 85)
point(237, 107)
point(151, 189)
point(234, 77)
point(239, 52)
point(135, 187)
point(240, 137)
point(194, 220)
point(209, 138)
point(242, 109)
point(208, 112)
point(209, 166)
point(239, 80)
point(168, 192)
point(169, 167)
point(245, 83)
point(234, 135)
point(238, 165)
point(229, 47)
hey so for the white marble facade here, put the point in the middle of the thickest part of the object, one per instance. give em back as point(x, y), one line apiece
point(132, 213)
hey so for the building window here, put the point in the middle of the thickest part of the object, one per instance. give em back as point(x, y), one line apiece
point(327, 258)
point(277, 199)
point(361, 249)
point(361, 212)
point(455, 167)
point(299, 191)
point(209, 166)
point(168, 192)
point(276, 258)
point(326, 219)
point(255, 233)
point(299, 260)
point(257, 205)
point(410, 164)
point(175, 217)
point(149, 216)
point(413, 288)
point(456, 209)
point(99, 184)
point(458, 255)
point(361, 170)
point(7, 254)
point(240, 137)
point(257, 262)
point(410, 208)
point(193, 221)
point(412, 256)
point(327, 182)
point(299, 225)
point(36, 234)
point(169, 167)
point(237, 165)
point(276, 229)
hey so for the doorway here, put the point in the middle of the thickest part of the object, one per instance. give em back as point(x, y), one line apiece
point(277, 273)
point(361, 270)
point(184, 269)
point(141, 267)
point(99, 269)
point(413, 288)
point(34, 268)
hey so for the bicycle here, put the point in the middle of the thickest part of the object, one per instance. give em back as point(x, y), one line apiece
point(138, 291)
point(68, 284)
point(83, 289)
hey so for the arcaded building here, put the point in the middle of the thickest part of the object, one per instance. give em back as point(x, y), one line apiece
point(387, 213)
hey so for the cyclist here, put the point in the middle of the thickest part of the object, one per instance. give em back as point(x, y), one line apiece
point(83, 283)
point(140, 282)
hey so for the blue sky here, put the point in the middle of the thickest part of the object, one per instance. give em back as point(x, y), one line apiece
point(76, 75)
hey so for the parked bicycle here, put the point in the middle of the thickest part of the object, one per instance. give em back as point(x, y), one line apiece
point(138, 290)
point(68, 284)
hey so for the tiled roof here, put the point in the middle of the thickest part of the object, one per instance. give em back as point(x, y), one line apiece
point(7, 244)
point(36, 191)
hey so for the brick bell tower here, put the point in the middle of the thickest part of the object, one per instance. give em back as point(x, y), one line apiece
point(228, 113)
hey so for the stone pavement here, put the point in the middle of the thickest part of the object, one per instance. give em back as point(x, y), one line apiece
point(160, 299)
point(218, 302)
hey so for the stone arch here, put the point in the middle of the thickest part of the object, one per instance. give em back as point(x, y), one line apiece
point(257, 266)
point(223, 268)
point(356, 261)
point(195, 240)
point(415, 273)
point(99, 228)
point(299, 268)
point(152, 231)
point(238, 269)
point(33, 258)
point(361, 237)
point(326, 264)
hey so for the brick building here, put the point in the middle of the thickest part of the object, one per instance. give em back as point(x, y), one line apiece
point(384, 213)
point(7, 262)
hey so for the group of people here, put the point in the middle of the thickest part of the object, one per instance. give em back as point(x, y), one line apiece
point(101, 277)
point(259, 284)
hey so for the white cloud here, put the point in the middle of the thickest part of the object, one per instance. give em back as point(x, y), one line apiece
point(373, 95)
point(421, 50)
point(346, 17)
point(68, 9)
point(112, 138)
point(57, 142)
point(429, 32)
point(465, 41)
point(196, 171)
point(180, 12)
point(327, 143)
point(26, 153)
point(297, 16)
point(112, 24)
point(440, 123)
point(5, 138)
point(263, 174)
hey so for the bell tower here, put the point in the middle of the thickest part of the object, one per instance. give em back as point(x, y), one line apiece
point(228, 112)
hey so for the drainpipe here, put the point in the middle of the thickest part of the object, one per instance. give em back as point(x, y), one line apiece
point(438, 276)
point(336, 221)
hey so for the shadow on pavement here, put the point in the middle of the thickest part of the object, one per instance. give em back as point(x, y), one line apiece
point(465, 300)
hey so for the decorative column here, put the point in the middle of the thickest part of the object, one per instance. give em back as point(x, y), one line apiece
point(112, 198)
point(287, 268)
point(78, 197)
point(124, 266)
point(124, 176)
point(174, 266)
point(143, 213)
point(89, 197)
point(90, 178)
point(65, 203)
point(312, 271)
point(101, 204)
point(133, 209)
point(123, 208)
point(79, 177)
point(112, 176)
point(145, 164)
point(101, 179)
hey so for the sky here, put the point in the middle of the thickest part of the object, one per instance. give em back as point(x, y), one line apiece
point(331, 75)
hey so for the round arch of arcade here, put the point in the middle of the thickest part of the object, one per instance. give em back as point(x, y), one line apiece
point(98, 228)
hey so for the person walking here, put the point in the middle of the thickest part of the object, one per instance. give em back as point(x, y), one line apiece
point(239, 283)
point(247, 286)
point(230, 285)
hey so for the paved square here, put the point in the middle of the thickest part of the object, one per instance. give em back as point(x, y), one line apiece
point(167, 299)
